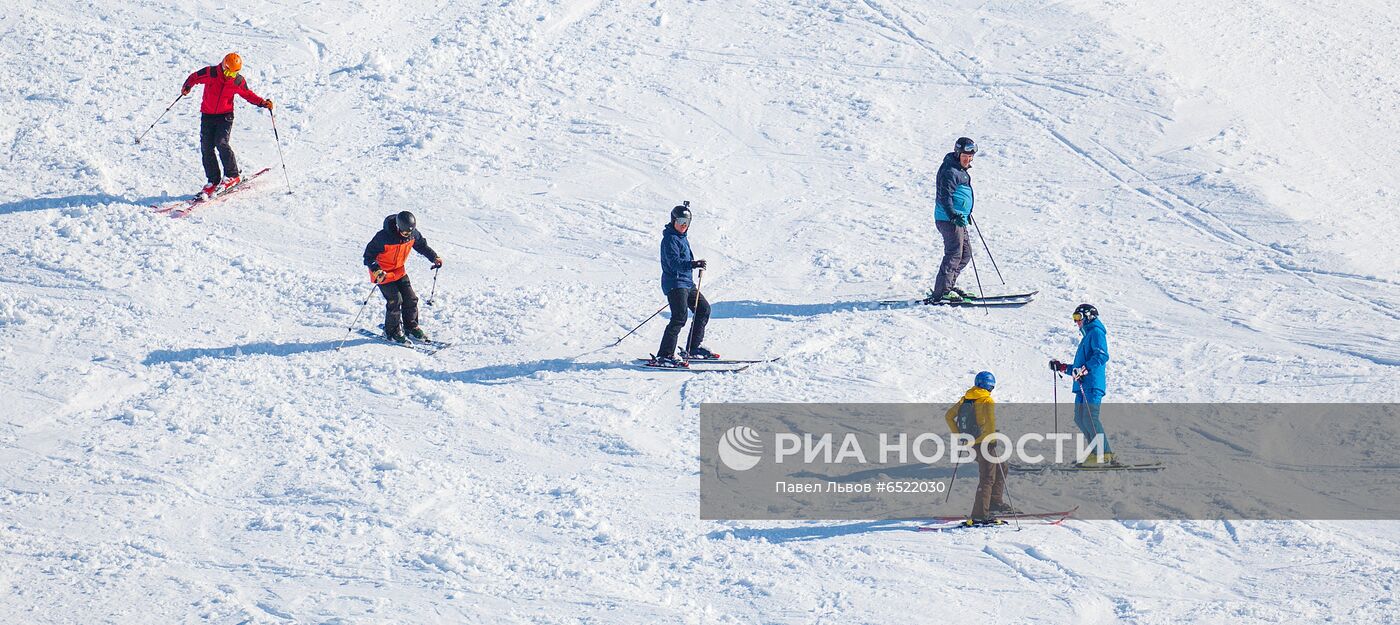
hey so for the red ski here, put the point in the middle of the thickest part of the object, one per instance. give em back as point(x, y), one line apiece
point(185, 207)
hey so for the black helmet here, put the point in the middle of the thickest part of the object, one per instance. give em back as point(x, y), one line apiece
point(405, 221)
point(681, 212)
point(1086, 313)
point(964, 146)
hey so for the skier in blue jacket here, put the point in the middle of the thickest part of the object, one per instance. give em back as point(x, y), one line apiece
point(952, 210)
point(678, 284)
point(1090, 360)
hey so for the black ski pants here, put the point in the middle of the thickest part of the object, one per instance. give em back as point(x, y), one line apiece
point(214, 131)
point(683, 300)
point(401, 308)
point(957, 252)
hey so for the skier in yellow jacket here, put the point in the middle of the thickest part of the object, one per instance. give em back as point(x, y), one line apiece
point(975, 415)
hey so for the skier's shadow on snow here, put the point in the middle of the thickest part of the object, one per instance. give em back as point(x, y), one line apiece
point(750, 309)
point(904, 472)
point(820, 532)
point(501, 374)
point(264, 348)
point(811, 532)
point(91, 199)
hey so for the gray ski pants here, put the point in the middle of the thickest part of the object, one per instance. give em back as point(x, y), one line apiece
point(957, 252)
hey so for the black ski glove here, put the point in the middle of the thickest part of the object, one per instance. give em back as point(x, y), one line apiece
point(697, 264)
point(437, 263)
point(1058, 367)
point(959, 220)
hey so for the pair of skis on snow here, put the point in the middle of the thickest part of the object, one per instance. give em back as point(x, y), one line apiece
point(1004, 300)
point(183, 208)
point(705, 365)
point(953, 523)
point(1082, 468)
point(425, 346)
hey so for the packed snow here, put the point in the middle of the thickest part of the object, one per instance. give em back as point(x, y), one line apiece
point(184, 442)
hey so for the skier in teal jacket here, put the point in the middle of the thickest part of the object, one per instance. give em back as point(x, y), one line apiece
point(953, 203)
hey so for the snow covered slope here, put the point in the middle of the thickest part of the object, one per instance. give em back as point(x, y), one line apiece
point(183, 442)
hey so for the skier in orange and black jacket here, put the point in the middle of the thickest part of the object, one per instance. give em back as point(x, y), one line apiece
point(385, 256)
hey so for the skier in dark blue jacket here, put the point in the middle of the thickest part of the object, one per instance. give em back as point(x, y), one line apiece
point(678, 284)
point(952, 210)
point(1090, 361)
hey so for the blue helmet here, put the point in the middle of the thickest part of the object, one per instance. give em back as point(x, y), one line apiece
point(985, 380)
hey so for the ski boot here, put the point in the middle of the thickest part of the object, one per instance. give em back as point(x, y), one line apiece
point(961, 293)
point(229, 183)
point(1101, 460)
point(396, 337)
point(699, 353)
point(950, 297)
point(208, 191)
point(418, 334)
point(667, 363)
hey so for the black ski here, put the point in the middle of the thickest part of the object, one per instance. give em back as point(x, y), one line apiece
point(720, 361)
point(1027, 295)
point(999, 523)
point(695, 366)
point(1000, 302)
point(425, 347)
point(1061, 514)
point(1100, 468)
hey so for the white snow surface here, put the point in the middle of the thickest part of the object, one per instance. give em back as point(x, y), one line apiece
point(182, 442)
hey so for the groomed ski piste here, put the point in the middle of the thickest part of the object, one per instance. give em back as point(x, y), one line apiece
point(181, 441)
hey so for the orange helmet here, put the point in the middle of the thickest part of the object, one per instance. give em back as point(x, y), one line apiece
point(232, 63)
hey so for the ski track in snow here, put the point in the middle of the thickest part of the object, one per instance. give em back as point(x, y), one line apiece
point(185, 442)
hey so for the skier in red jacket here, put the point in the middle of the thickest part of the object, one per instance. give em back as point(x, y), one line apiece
point(221, 82)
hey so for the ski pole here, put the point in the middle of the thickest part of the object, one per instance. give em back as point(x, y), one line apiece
point(984, 246)
point(434, 293)
point(278, 138)
point(357, 316)
point(691, 336)
point(162, 116)
point(639, 326)
point(1006, 491)
point(953, 481)
point(980, 292)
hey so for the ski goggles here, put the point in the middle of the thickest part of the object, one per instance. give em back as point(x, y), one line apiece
point(229, 73)
point(682, 221)
point(1079, 316)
